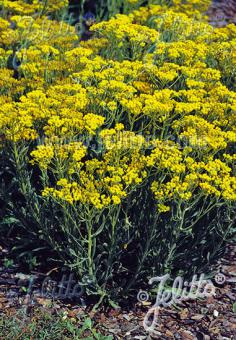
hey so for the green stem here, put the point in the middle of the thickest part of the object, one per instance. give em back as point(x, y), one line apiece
point(113, 245)
point(181, 215)
point(145, 253)
point(44, 8)
point(90, 241)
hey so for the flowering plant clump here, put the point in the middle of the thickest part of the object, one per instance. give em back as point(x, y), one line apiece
point(122, 148)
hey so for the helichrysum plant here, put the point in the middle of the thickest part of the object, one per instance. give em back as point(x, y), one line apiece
point(122, 148)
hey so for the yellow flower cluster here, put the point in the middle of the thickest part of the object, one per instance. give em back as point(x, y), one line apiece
point(213, 178)
point(100, 182)
point(22, 7)
point(125, 31)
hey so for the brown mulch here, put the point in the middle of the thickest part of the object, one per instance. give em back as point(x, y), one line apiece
point(209, 318)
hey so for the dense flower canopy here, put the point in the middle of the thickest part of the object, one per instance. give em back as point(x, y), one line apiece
point(156, 87)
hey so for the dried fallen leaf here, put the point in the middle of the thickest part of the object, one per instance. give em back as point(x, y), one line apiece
point(184, 314)
point(197, 317)
point(187, 335)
